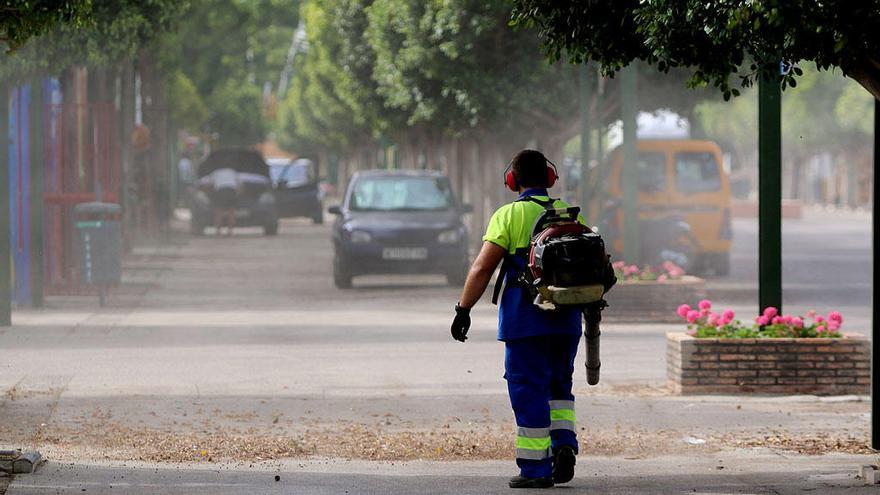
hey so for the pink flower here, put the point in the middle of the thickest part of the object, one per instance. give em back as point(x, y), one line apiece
point(811, 314)
point(705, 312)
point(683, 310)
point(776, 320)
point(727, 316)
point(770, 312)
point(705, 304)
point(662, 278)
point(820, 319)
point(820, 329)
point(714, 319)
point(798, 322)
point(692, 316)
point(786, 319)
point(835, 316)
point(618, 265)
point(833, 326)
point(762, 321)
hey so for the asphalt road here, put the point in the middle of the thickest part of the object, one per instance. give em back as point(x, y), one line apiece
point(826, 265)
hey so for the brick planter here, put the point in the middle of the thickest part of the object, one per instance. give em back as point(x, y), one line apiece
point(638, 301)
point(768, 366)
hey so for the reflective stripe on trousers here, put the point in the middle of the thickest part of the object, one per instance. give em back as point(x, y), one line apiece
point(533, 443)
point(562, 415)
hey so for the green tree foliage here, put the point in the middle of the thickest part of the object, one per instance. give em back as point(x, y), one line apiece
point(425, 69)
point(114, 30)
point(188, 110)
point(457, 65)
point(394, 67)
point(24, 19)
point(325, 107)
point(825, 112)
point(717, 39)
point(238, 121)
point(230, 49)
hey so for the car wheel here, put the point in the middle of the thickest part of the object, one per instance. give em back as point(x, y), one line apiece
point(341, 275)
point(271, 229)
point(318, 217)
point(196, 228)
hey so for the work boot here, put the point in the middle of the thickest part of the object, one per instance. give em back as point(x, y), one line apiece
point(564, 460)
point(523, 482)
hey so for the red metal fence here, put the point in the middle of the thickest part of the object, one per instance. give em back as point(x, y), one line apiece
point(81, 144)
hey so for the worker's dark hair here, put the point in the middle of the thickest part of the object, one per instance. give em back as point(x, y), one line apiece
point(530, 168)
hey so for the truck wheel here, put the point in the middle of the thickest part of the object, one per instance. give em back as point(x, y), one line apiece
point(341, 275)
point(721, 264)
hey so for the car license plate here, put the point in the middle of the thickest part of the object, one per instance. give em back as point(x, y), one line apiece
point(404, 253)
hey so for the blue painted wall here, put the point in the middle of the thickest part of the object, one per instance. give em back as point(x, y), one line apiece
point(19, 197)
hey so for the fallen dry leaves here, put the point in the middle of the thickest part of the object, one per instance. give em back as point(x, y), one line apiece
point(207, 442)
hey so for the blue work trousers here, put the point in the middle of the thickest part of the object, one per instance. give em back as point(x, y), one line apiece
point(539, 375)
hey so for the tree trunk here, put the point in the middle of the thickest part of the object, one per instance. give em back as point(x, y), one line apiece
point(155, 118)
point(475, 179)
point(126, 118)
point(868, 75)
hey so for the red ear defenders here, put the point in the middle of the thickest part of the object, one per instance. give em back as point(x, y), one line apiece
point(512, 184)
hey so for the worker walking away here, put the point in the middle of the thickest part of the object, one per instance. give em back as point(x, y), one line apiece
point(225, 186)
point(540, 345)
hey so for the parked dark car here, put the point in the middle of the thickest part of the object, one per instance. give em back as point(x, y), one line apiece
point(255, 203)
point(297, 191)
point(399, 222)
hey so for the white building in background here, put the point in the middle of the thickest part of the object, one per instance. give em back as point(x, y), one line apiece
point(661, 124)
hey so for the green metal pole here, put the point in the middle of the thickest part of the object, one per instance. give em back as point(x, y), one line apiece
point(769, 192)
point(601, 167)
point(875, 310)
point(5, 231)
point(586, 121)
point(36, 204)
point(629, 107)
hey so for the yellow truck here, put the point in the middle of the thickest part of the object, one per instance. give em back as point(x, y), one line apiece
point(679, 179)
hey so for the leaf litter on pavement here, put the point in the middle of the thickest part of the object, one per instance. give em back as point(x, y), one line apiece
point(208, 442)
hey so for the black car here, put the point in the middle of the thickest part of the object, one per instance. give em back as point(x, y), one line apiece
point(399, 222)
point(297, 190)
point(255, 202)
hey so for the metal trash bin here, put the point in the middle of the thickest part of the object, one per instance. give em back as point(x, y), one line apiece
point(100, 245)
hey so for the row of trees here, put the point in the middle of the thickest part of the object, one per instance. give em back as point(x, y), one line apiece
point(449, 84)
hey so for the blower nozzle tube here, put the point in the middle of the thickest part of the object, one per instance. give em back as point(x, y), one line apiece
point(591, 335)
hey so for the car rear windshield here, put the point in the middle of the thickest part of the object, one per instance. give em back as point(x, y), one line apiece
point(401, 193)
point(293, 175)
point(696, 172)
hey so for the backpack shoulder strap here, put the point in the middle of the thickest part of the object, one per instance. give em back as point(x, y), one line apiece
point(506, 265)
point(547, 205)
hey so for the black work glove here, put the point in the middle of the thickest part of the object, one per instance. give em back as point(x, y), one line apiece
point(461, 324)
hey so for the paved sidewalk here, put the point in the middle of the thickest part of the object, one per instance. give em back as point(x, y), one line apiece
point(739, 472)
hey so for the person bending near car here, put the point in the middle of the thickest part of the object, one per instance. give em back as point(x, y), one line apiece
point(540, 346)
point(224, 198)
